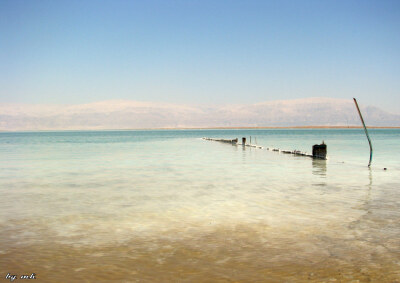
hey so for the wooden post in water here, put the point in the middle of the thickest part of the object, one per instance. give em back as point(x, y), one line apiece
point(319, 151)
point(366, 133)
point(243, 141)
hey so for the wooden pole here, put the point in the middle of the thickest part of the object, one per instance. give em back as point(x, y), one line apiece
point(366, 133)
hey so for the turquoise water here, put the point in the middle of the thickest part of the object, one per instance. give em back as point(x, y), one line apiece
point(98, 189)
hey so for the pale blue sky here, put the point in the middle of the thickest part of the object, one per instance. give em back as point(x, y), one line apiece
point(199, 51)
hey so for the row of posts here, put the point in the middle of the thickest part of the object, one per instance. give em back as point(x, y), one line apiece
point(318, 150)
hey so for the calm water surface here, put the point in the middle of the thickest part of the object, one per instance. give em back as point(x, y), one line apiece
point(162, 206)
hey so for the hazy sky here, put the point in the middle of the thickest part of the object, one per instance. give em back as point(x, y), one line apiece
point(199, 51)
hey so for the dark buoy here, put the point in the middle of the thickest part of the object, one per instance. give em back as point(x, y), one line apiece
point(385, 168)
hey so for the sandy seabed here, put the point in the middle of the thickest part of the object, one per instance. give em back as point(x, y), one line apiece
point(228, 254)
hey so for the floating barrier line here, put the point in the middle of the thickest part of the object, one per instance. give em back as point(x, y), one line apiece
point(319, 151)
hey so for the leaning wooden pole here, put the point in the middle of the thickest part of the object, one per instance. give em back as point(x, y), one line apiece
point(366, 133)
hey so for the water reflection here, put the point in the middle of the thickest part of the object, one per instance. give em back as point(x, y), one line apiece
point(368, 196)
point(319, 167)
point(235, 147)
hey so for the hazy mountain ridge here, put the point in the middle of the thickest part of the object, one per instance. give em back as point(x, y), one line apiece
point(119, 114)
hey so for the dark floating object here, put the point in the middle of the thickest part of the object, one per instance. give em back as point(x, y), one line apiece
point(243, 141)
point(385, 168)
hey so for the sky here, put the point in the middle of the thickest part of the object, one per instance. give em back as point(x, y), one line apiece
point(199, 52)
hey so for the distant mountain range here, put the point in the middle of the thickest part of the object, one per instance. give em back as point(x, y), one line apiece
point(119, 114)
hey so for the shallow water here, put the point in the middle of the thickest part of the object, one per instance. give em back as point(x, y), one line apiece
point(168, 206)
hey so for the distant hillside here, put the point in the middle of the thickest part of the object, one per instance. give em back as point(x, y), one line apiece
point(136, 115)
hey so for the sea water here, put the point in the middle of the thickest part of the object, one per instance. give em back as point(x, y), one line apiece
point(166, 205)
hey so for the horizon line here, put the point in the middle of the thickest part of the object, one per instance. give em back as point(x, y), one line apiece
point(207, 128)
